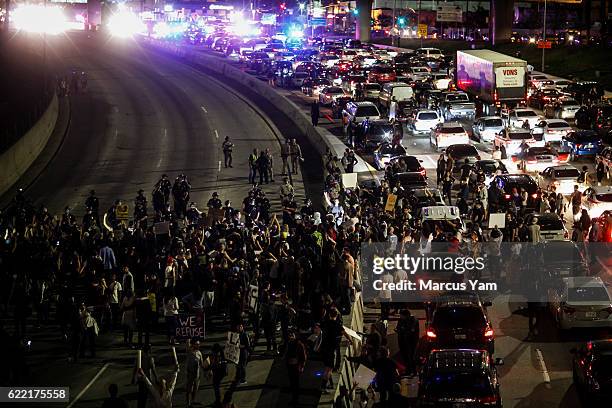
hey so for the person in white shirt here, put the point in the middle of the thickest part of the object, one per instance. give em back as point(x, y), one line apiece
point(114, 290)
point(171, 310)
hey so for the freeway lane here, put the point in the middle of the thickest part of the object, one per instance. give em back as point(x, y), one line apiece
point(143, 115)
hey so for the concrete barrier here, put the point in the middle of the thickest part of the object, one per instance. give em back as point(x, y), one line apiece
point(18, 158)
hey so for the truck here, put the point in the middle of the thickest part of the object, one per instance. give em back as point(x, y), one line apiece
point(491, 78)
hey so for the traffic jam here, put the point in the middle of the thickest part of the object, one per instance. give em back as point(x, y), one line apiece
point(457, 137)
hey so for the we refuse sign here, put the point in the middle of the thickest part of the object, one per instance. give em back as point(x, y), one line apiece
point(190, 327)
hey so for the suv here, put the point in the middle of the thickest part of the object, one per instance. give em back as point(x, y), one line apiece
point(459, 378)
point(507, 182)
point(459, 320)
point(516, 117)
point(423, 121)
point(458, 105)
point(357, 112)
point(509, 141)
point(446, 134)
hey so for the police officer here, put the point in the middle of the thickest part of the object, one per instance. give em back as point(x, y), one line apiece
point(164, 186)
point(228, 147)
point(214, 201)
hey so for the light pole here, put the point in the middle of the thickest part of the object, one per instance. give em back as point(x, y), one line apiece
point(544, 37)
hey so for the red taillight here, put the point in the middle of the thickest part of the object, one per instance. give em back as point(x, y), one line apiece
point(488, 400)
point(478, 157)
point(568, 310)
point(514, 159)
point(578, 146)
point(422, 172)
point(431, 334)
point(507, 196)
point(534, 195)
point(488, 333)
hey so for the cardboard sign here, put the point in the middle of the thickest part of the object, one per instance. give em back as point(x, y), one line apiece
point(391, 200)
point(122, 212)
point(352, 333)
point(364, 377)
point(349, 180)
point(190, 326)
point(498, 219)
point(253, 298)
point(232, 347)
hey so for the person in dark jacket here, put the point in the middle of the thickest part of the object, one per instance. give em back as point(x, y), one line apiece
point(114, 401)
point(218, 367)
point(315, 113)
point(296, 359)
point(263, 164)
point(407, 337)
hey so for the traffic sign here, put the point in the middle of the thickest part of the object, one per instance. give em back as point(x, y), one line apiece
point(544, 44)
point(422, 31)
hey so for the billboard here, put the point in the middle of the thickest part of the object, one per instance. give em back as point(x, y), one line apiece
point(449, 13)
point(509, 77)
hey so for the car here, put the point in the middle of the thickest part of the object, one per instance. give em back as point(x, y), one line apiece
point(517, 117)
point(560, 84)
point(398, 90)
point(459, 153)
point(562, 108)
point(509, 141)
point(507, 183)
point(441, 81)
point(543, 96)
point(385, 153)
point(417, 74)
point(490, 168)
point(446, 134)
point(552, 130)
point(486, 127)
point(453, 378)
point(536, 159)
point(329, 93)
point(423, 121)
point(409, 180)
point(382, 74)
point(582, 143)
point(551, 226)
point(457, 105)
point(560, 259)
point(339, 104)
point(561, 179)
point(371, 91)
point(579, 90)
point(409, 164)
point(580, 302)
point(448, 218)
point(357, 112)
point(429, 52)
point(425, 197)
point(298, 78)
point(597, 199)
point(536, 79)
point(374, 133)
point(592, 371)
point(313, 87)
point(459, 320)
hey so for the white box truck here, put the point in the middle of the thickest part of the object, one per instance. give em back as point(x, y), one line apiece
point(493, 79)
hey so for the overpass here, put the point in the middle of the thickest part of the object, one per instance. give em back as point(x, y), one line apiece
point(500, 21)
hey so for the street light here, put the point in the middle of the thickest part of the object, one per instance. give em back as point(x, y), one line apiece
point(544, 37)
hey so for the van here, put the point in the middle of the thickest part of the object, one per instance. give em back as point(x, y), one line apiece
point(398, 90)
point(429, 53)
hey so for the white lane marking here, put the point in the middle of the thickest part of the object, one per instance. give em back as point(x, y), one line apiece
point(89, 384)
point(216, 134)
point(219, 165)
point(545, 374)
point(204, 109)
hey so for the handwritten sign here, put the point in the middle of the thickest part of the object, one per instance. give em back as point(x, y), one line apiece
point(190, 327)
point(232, 347)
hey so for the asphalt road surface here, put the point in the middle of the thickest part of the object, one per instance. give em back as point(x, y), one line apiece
point(144, 114)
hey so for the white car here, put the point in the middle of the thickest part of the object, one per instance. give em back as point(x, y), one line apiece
point(552, 130)
point(580, 302)
point(597, 199)
point(329, 94)
point(563, 108)
point(551, 226)
point(518, 116)
point(371, 91)
point(509, 141)
point(561, 178)
point(418, 73)
point(424, 121)
point(441, 81)
point(485, 128)
point(560, 84)
point(446, 134)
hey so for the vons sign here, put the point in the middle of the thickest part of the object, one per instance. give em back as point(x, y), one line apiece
point(509, 77)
